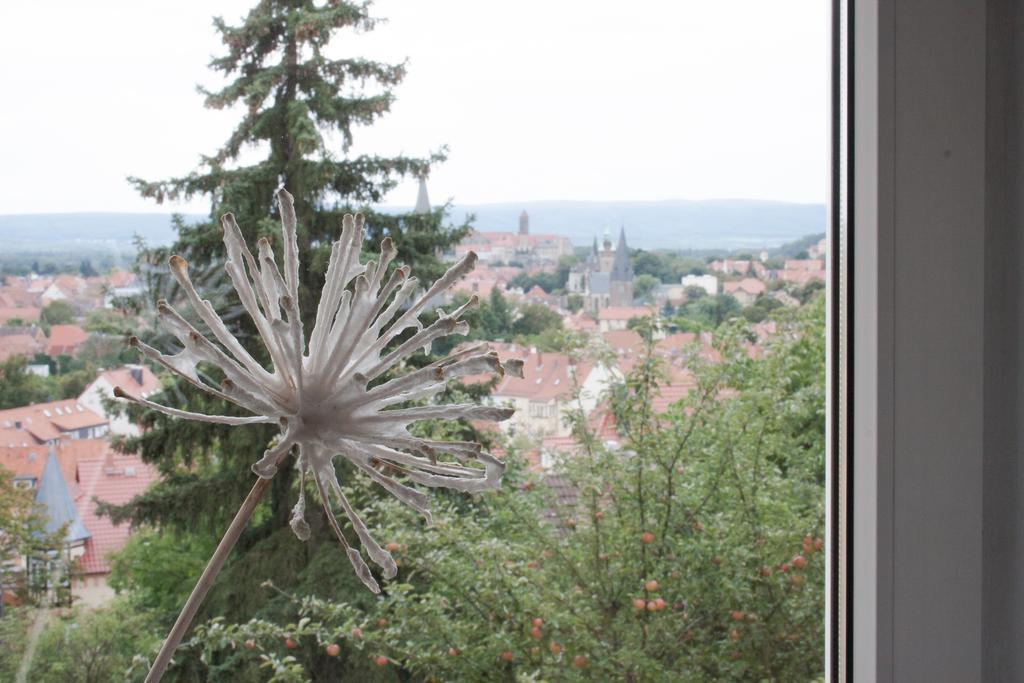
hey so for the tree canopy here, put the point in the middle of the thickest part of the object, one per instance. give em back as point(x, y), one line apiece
point(300, 109)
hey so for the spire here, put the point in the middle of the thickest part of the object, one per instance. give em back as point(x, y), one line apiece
point(422, 200)
point(53, 495)
point(595, 252)
point(621, 267)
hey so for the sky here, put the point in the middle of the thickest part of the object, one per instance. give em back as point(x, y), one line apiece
point(535, 99)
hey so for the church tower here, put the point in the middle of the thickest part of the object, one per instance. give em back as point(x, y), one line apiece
point(524, 223)
point(621, 277)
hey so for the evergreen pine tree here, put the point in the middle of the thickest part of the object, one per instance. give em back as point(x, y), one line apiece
point(300, 107)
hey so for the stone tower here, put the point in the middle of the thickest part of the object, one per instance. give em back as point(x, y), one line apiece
point(524, 223)
point(620, 286)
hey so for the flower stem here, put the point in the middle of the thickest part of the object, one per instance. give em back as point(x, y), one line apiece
point(205, 582)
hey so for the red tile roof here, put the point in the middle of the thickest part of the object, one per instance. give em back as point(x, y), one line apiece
point(804, 264)
point(120, 278)
point(112, 479)
point(800, 277)
point(29, 461)
point(546, 375)
point(18, 345)
point(128, 378)
point(65, 339)
point(29, 314)
point(747, 284)
point(41, 422)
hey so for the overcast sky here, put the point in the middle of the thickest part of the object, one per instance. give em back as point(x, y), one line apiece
point(537, 99)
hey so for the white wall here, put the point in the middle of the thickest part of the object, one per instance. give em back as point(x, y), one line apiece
point(92, 398)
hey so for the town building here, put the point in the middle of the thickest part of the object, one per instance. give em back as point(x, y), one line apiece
point(544, 396)
point(605, 278)
point(618, 317)
point(113, 479)
point(709, 283)
point(65, 340)
point(48, 423)
point(21, 341)
point(746, 290)
point(137, 381)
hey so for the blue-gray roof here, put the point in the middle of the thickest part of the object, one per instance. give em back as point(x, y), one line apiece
point(55, 497)
point(600, 283)
point(622, 269)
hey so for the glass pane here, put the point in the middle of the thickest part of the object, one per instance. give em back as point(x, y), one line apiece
point(512, 361)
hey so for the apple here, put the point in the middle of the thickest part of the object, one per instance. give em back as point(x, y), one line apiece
point(604, 557)
point(382, 622)
point(639, 604)
point(380, 660)
point(599, 515)
point(579, 661)
point(737, 615)
point(808, 544)
point(290, 644)
point(333, 650)
point(555, 648)
point(357, 632)
point(647, 537)
point(734, 635)
point(659, 603)
point(698, 526)
point(652, 606)
point(784, 567)
point(536, 633)
point(799, 562)
point(537, 621)
point(452, 652)
point(249, 645)
point(651, 586)
point(571, 523)
point(507, 656)
point(717, 561)
point(765, 571)
point(392, 547)
point(797, 579)
point(818, 544)
point(533, 565)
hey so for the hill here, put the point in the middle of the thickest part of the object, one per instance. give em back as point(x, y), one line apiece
point(673, 224)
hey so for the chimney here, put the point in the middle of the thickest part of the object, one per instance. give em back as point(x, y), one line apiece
point(136, 373)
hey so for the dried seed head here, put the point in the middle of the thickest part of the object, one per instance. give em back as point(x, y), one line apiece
point(316, 389)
